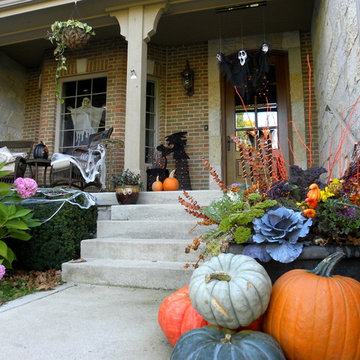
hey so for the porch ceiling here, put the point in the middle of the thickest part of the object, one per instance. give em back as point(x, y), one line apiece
point(22, 34)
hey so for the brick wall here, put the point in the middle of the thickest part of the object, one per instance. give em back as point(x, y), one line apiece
point(306, 49)
point(180, 112)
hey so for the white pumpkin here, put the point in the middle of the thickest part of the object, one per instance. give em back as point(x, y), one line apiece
point(230, 290)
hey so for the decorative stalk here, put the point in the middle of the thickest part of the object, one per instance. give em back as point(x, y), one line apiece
point(218, 275)
point(326, 266)
point(226, 339)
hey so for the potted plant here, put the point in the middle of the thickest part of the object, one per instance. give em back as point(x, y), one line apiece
point(69, 34)
point(127, 187)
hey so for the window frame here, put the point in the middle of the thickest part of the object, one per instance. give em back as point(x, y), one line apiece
point(63, 80)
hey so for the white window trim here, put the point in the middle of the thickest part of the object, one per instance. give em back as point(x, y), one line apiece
point(155, 80)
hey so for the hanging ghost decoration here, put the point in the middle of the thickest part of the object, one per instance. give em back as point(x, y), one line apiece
point(247, 72)
point(237, 70)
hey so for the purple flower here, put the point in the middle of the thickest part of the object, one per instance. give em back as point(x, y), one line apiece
point(25, 187)
point(2, 271)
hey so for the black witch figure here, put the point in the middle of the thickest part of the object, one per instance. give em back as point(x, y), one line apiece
point(176, 143)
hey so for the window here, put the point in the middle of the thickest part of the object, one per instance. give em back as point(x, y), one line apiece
point(151, 123)
point(259, 117)
point(82, 113)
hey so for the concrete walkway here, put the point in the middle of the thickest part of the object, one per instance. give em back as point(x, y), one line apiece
point(84, 322)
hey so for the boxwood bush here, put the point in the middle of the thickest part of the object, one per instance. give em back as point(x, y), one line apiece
point(57, 240)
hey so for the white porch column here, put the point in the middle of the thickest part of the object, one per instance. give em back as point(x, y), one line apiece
point(137, 24)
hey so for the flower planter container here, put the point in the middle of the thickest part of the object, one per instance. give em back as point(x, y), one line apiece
point(127, 194)
point(310, 258)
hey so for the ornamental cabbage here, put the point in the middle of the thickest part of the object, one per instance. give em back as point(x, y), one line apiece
point(276, 235)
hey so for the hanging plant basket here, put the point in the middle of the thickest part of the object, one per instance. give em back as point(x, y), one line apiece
point(75, 38)
point(71, 34)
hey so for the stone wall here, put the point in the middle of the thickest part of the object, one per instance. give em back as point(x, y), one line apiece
point(13, 81)
point(336, 52)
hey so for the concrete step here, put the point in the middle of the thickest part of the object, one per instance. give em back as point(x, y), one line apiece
point(139, 249)
point(150, 212)
point(143, 274)
point(203, 197)
point(149, 229)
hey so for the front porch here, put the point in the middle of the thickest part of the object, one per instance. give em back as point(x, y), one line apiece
point(146, 107)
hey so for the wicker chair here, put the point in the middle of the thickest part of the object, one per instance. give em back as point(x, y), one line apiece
point(68, 174)
point(18, 167)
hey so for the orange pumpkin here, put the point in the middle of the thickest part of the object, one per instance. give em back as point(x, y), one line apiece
point(314, 315)
point(177, 316)
point(171, 183)
point(157, 185)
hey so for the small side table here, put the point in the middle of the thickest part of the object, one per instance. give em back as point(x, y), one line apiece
point(34, 165)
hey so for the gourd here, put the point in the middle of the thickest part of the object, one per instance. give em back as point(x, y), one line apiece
point(315, 315)
point(41, 151)
point(177, 315)
point(171, 183)
point(230, 290)
point(157, 185)
point(212, 343)
point(314, 192)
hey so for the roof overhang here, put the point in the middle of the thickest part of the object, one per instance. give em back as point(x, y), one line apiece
point(24, 24)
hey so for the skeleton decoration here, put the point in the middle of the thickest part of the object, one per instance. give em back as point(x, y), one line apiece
point(188, 79)
point(248, 72)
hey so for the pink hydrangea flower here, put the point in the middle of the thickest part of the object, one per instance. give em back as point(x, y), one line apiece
point(25, 187)
point(2, 271)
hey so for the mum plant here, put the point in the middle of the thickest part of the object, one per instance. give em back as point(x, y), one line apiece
point(126, 177)
point(15, 220)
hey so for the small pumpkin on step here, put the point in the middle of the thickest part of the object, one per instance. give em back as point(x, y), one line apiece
point(171, 183)
point(157, 185)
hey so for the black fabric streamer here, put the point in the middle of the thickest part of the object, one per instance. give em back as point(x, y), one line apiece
point(261, 69)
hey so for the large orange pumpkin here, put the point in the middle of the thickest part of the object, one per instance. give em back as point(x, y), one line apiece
point(177, 316)
point(314, 315)
point(171, 183)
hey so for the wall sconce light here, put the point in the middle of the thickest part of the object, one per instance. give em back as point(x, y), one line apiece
point(188, 79)
point(133, 74)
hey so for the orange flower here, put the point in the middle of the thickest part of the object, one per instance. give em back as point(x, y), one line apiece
point(309, 213)
point(311, 202)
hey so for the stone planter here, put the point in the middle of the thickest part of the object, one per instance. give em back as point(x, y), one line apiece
point(310, 257)
point(127, 194)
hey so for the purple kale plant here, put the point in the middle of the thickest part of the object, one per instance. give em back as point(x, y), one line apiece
point(277, 235)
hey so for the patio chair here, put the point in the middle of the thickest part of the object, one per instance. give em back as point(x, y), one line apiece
point(70, 170)
point(15, 153)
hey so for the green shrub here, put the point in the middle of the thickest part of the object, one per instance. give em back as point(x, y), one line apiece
point(57, 240)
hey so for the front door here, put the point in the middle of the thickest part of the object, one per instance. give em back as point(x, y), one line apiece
point(259, 116)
